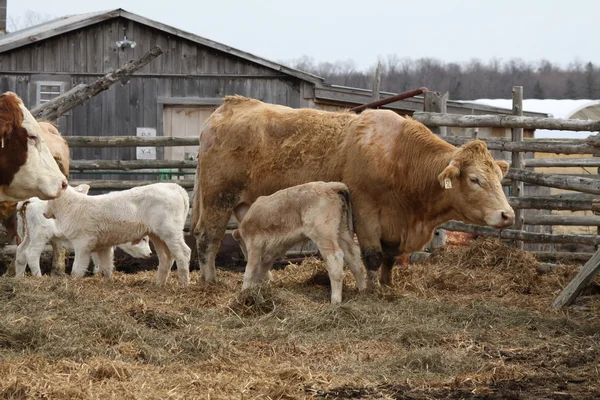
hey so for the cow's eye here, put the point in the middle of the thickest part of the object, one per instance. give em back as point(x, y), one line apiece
point(33, 138)
point(475, 180)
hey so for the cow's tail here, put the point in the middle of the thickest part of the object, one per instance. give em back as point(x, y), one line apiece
point(196, 199)
point(344, 193)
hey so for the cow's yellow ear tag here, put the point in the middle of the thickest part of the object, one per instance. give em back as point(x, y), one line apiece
point(447, 183)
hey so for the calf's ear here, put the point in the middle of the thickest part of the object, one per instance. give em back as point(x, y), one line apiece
point(449, 173)
point(503, 167)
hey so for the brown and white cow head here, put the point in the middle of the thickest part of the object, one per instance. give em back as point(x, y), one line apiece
point(27, 168)
point(473, 179)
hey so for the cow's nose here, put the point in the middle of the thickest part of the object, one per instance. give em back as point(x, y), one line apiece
point(508, 217)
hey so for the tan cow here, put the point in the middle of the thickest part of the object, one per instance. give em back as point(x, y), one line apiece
point(316, 211)
point(403, 179)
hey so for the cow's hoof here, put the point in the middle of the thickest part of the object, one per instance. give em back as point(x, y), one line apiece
point(203, 281)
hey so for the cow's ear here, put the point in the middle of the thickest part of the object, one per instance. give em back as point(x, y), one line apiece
point(503, 167)
point(449, 173)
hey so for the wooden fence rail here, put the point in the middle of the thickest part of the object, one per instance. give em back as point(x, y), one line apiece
point(585, 185)
point(573, 146)
point(129, 141)
point(505, 121)
point(521, 235)
point(570, 202)
point(123, 185)
point(562, 162)
point(118, 165)
point(564, 220)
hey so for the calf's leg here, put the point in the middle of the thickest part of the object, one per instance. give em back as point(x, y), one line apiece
point(334, 257)
point(106, 262)
point(20, 262)
point(352, 257)
point(165, 260)
point(181, 252)
point(81, 262)
point(253, 265)
point(33, 254)
point(239, 212)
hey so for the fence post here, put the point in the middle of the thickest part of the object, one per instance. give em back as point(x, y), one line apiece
point(436, 102)
point(375, 95)
point(517, 157)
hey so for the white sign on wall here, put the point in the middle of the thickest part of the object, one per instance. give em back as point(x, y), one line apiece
point(146, 153)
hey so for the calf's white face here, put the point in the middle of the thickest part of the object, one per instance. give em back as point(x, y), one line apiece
point(141, 249)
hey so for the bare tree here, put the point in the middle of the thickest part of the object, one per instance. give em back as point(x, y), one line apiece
point(29, 18)
point(468, 80)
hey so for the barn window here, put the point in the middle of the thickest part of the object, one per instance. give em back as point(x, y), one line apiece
point(46, 91)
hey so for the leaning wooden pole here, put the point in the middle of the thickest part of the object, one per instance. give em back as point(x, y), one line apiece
point(582, 279)
point(81, 93)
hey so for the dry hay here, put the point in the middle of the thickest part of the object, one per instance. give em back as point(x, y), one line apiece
point(128, 339)
point(486, 267)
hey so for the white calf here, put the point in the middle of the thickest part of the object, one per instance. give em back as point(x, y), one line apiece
point(36, 231)
point(317, 211)
point(95, 223)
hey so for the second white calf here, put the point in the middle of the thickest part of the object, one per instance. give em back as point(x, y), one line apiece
point(96, 223)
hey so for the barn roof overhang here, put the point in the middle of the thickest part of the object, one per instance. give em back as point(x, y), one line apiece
point(71, 23)
point(349, 97)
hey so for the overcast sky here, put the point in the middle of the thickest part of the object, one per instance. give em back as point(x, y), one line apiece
point(331, 30)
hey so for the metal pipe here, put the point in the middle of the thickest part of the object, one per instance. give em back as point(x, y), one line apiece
point(387, 100)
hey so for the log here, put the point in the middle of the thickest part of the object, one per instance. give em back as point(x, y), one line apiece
point(123, 185)
point(520, 235)
point(562, 162)
point(554, 257)
point(517, 157)
point(130, 141)
point(571, 202)
point(56, 107)
point(573, 146)
point(87, 165)
point(565, 220)
point(586, 185)
point(507, 121)
point(585, 276)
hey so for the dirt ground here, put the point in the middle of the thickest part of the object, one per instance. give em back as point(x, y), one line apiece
point(470, 323)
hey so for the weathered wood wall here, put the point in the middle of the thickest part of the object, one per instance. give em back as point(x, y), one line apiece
point(186, 73)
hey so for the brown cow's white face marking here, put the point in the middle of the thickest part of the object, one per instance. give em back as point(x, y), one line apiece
point(40, 175)
point(476, 187)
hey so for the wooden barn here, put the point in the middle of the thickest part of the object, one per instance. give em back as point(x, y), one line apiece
point(171, 96)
